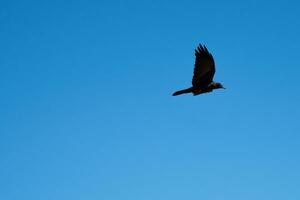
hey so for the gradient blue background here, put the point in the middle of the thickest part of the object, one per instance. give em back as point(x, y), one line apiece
point(87, 112)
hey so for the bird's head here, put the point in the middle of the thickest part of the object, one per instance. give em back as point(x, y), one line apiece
point(218, 86)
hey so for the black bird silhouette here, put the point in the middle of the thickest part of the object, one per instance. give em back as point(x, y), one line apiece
point(204, 72)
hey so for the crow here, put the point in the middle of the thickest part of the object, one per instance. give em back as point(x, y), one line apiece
point(204, 71)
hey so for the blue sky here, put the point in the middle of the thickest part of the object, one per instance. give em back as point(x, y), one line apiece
point(87, 111)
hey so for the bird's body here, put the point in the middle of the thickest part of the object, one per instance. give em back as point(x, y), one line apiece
point(204, 71)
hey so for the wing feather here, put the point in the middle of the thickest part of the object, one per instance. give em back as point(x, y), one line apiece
point(204, 68)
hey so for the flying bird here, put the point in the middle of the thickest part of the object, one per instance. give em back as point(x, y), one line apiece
point(204, 71)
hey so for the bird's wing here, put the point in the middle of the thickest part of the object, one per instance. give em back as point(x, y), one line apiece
point(204, 69)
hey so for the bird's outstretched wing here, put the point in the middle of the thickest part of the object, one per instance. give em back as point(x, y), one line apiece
point(204, 69)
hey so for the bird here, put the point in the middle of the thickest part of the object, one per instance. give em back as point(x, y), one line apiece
point(204, 71)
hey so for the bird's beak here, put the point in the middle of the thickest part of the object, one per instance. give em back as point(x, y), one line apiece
point(223, 88)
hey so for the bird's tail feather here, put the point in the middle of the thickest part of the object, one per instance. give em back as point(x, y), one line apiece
point(182, 91)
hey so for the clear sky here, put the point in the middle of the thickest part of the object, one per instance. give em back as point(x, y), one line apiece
point(86, 111)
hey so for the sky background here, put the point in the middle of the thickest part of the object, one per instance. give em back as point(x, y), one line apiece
point(86, 111)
